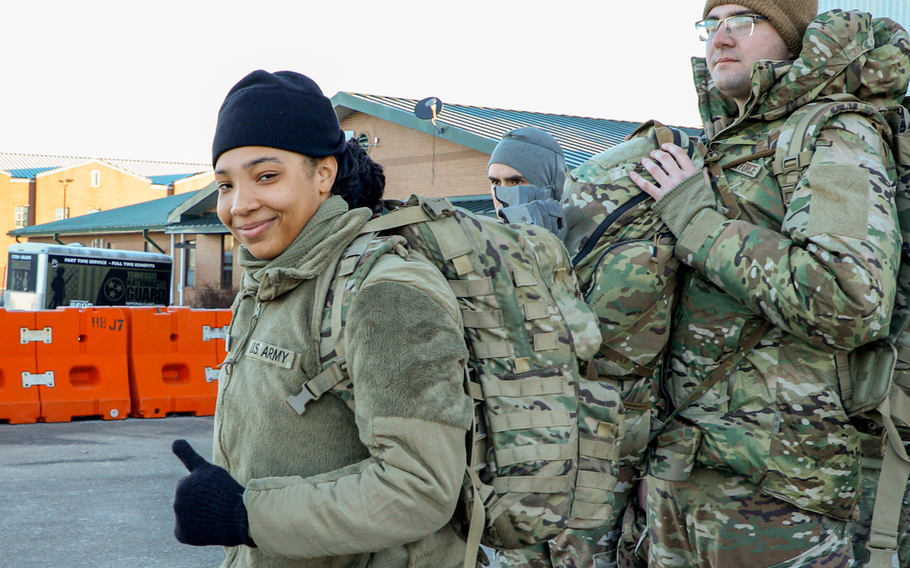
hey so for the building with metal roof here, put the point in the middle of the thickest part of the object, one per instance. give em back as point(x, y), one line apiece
point(148, 216)
point(183, 226)
point(481, 128)
point(27, 166)
point(448, 156)
point(41, 189)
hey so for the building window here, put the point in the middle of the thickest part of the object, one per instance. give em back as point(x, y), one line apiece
point(227, 261)
point(21, 216)
point(62, 213)
point(98, 243)
point(90, 210)
point(190, 252)
point(96, 178)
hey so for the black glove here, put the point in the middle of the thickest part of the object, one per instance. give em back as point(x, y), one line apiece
point(209, 503)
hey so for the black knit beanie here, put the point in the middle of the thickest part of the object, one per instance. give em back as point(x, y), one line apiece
point(284, 110)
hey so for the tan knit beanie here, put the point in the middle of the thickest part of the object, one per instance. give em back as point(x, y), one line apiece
point(789, 17)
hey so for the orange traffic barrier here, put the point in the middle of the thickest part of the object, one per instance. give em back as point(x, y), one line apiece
point(19, 380)
point(224, 323)
point(174, 358)
point(84, 362)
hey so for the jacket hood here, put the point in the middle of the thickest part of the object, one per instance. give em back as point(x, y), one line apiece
point(843, 52)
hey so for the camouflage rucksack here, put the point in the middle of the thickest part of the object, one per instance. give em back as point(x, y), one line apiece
point(875, 378)
point(623, 256)
point(534, 465)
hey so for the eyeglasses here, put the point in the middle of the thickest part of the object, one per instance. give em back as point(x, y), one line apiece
point(737, 27)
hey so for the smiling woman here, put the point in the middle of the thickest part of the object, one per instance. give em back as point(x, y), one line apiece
point(267, 195)
point(293, 484)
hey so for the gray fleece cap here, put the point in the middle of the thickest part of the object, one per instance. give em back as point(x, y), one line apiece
point(536, 155)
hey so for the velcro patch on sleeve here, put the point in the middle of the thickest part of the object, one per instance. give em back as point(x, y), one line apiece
point(271, 354)
point(840, 200)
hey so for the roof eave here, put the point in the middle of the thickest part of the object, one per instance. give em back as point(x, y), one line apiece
point(346, 104)
point(24, 233)
point(197, 230)
point(202, 200)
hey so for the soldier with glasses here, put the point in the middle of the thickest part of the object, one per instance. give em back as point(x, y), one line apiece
point(760, 465)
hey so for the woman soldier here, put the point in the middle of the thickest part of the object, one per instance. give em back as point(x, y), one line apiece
point(372, 486)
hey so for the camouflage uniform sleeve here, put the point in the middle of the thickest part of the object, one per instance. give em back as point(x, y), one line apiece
point(406, 356)
point(828, 274)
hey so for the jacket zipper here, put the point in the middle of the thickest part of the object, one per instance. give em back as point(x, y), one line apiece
point(229, 371)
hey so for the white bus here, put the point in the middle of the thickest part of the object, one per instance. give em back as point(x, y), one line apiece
point(44, 277)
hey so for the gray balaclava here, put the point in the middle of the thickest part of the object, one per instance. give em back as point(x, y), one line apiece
point(536, 155)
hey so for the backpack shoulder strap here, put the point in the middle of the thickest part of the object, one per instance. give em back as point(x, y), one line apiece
point(336, 277)
point(719, 373)
point(889, 497)
point(795, 150)
point(799, 137)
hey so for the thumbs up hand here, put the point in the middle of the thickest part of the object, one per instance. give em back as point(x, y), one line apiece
point(209, 503)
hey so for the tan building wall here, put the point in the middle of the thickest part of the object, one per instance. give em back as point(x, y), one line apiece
point(109, 188)
point(95, 185)
point(13, 193)
point(189, 184)
point(416, 162)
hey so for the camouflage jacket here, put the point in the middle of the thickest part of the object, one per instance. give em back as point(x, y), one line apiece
point(822, 270)
point(341, 481)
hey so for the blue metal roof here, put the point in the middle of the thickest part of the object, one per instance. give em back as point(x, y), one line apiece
point(481, 128)
point(480, 204)
point(170, 178)
point(28, 173)
point(29, 165)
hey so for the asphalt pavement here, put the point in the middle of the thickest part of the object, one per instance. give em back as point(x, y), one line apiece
point(97, 494)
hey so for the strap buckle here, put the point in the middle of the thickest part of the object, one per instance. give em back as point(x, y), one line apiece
point(299, 401)
point(437, 208)
point(790, 164)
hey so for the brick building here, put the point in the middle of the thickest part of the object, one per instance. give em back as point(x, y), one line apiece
point(449, 158)
point(446, 158)
point(40, 189)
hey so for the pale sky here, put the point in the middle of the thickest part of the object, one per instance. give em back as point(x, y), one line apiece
point(114, 79)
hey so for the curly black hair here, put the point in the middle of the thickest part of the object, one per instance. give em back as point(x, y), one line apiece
point(360, 180)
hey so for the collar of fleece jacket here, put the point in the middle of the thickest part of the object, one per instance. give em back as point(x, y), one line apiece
point(308, 255)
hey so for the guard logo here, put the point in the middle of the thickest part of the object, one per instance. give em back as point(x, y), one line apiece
point(271, 354)
point(750, 169)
